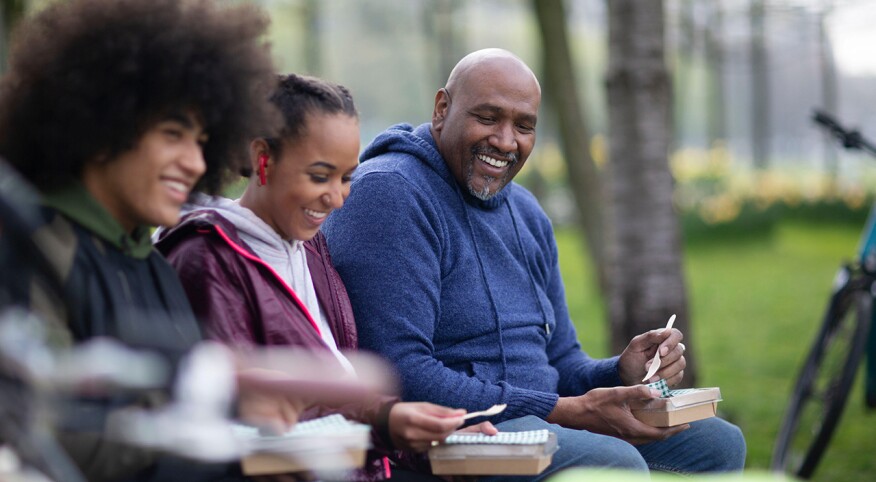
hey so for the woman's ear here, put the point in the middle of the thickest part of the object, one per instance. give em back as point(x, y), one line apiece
point(258, 148)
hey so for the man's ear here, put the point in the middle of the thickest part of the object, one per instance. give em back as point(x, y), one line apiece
point(442, 104)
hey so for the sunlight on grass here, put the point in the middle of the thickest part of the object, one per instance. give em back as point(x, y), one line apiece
point(755, 303)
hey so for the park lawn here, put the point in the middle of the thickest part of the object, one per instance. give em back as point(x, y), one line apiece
point(756, 302)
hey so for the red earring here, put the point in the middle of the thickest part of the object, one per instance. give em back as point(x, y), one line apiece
point(263, 164)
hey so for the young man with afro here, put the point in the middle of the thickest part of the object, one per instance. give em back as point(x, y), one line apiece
point(115, 110)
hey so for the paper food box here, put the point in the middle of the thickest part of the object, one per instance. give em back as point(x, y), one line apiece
point(328, 444)
point(678, 407)
point(506, 453)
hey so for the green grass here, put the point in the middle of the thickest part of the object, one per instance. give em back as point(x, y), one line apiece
point(755, 305)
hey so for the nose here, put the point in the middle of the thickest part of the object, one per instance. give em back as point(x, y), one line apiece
point(194, 162)
point(335, 197)
point(504, 137)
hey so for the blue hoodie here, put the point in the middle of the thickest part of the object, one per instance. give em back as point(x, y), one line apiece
point(463, 296)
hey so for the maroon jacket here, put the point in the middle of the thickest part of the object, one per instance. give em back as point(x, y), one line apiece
point(241, 301)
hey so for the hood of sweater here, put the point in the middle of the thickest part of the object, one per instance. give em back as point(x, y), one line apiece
point(257, 234)
point(418, 142)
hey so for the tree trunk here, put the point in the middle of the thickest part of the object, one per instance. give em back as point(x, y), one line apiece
point(561, 95)
point(444, 35)
point(685, 72)
point(717, 109)
point(760, 96)
point(310, 12)
point(829, 101)
point(646, 281)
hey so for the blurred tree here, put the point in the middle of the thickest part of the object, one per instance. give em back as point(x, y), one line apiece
point(643, 243)
point(310, 13)
point(716, 106)
point(10, 12)
point(444, 35)
point(684, 70)
point(829, 100)
point(561, 96)
point(760, 95)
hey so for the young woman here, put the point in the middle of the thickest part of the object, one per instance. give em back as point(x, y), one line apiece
point(257, 269)
point(115, 110)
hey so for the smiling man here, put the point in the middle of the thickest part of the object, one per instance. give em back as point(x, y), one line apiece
point(453, 274)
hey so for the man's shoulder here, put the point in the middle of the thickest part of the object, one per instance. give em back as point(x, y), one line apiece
point(399, 176)
point(524, 200)
point(404, 165)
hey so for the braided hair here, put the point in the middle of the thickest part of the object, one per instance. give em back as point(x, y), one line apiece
point(299, 96)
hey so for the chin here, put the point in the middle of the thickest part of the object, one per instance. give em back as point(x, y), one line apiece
point(166, 221)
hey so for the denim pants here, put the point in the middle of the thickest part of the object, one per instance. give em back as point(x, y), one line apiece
point(710, 445)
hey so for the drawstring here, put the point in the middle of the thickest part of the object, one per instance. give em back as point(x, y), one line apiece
point(486, 284)
point(544, 317)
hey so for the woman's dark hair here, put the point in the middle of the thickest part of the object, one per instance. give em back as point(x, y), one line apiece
point(87, 78)
point(298, 96)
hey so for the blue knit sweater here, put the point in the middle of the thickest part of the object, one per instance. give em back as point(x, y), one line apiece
point(463, 296)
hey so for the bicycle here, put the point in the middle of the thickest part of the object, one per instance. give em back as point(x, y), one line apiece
point(844, 338)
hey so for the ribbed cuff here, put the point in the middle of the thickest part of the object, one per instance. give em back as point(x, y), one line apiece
point(605, 373)
point(528, 402)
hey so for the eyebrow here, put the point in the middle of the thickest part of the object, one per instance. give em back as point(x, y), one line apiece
point(187, 121)
point(324, 164)
point(184, 119)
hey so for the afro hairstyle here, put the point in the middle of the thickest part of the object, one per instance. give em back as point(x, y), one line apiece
point(87, 78)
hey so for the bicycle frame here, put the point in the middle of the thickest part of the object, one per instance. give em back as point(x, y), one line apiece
point(867, 262)
point(852, 139)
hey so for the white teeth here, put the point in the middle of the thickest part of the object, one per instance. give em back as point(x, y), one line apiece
point(492, 162)
point(315, 214)
point(176, 185)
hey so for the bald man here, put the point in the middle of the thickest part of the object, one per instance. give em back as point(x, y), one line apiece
point(453, 274)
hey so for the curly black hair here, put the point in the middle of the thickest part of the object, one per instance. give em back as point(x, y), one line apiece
point(87, 78)
point(297, 96)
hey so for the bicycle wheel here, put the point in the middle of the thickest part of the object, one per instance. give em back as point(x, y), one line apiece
point(824, 384)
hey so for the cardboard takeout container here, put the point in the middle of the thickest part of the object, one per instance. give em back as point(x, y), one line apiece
point(682, 406)
point(492, 459)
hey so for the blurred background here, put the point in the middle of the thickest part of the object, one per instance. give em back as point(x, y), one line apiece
point(753, 208)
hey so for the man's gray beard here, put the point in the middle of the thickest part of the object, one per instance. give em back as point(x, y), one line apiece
point(484, 194)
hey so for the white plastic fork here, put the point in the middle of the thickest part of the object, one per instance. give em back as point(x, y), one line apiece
point(655, 363)
point(495, 409)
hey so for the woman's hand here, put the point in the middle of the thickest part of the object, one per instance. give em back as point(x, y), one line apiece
point(485, 428)
point(414, 426)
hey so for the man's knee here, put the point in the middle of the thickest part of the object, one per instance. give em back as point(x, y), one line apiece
point(587, 449)
point(722, 444)
point(580, 448)
point(735, 450)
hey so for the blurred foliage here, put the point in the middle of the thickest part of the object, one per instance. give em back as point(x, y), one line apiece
point(715, 198)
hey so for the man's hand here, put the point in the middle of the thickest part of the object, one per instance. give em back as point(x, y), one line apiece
point(637, 357)
point(414, 426)
point(606, 411)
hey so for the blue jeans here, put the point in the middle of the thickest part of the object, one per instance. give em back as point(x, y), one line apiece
point(710, 445)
